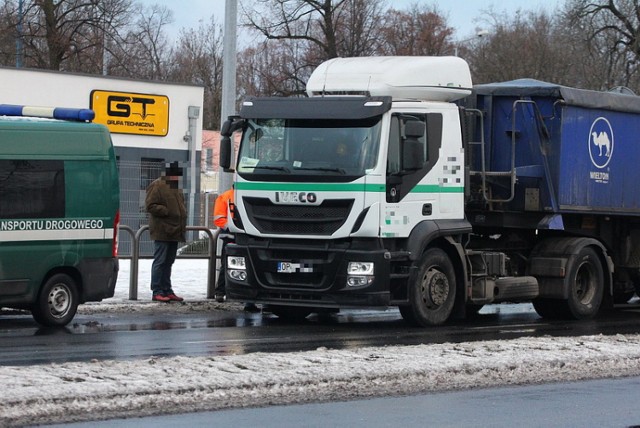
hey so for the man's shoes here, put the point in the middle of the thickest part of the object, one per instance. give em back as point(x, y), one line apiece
point(220, 298)
point(160, 298)
point(250, 307)
point(173, 297)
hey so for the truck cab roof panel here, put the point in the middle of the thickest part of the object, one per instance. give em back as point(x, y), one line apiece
point(315, 108)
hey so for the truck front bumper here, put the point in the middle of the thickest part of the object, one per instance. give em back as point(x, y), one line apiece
point(315, 274)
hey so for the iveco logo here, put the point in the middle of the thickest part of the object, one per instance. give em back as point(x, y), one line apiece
point(296, 198)
point(600, 142)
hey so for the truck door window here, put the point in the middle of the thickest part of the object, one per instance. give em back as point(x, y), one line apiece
point(402, 178)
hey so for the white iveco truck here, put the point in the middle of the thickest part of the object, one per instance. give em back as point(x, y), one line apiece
point(365, 194)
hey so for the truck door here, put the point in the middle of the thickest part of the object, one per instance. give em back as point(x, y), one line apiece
point(411, 191)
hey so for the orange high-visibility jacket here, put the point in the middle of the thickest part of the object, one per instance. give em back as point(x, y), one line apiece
point(221, 207)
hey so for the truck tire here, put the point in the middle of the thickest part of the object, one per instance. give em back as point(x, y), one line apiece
point(433, 293)
point(585, 282)
point(57, 302)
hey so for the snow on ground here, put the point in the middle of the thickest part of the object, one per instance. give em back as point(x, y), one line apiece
point(106, 389)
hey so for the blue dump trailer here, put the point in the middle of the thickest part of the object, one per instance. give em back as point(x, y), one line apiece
point(554, 184)
point(396, 182)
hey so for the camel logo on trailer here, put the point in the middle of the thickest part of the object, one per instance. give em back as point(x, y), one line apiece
point(129, 113)
point(601, 143)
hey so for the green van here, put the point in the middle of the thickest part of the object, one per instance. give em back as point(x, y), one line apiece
point(59, 212)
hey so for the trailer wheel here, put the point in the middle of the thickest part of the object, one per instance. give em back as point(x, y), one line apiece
point(432, 295)
point(585, 282)
point(57, 302)
point(586, 285)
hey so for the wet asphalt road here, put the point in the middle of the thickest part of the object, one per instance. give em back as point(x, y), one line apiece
point(596, 403)
point(132, 336)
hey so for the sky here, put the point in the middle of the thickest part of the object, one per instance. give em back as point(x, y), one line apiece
point(465, 16)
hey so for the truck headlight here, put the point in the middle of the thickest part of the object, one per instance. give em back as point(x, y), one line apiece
point(236, 262)
point(237, 268)
point(359, 274)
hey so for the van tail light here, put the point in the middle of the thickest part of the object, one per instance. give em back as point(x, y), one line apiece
point(116, 233)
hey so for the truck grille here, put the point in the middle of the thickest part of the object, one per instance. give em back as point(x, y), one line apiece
point(323, 219)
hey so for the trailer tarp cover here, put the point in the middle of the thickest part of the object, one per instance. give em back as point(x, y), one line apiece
point(572, 96)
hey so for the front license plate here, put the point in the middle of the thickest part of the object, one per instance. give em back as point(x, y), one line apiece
point(291, 267)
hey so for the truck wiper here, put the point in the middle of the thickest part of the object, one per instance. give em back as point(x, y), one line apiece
point(339, 170)
point(277, 168)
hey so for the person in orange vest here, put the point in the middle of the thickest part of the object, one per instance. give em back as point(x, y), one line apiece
point(223, 207)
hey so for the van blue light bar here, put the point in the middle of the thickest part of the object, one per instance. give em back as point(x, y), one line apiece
point(62, 113)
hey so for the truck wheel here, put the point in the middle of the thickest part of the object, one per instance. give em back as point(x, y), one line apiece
point(433, 294)
point(290, 313)
point(586, 285)
point(58, 301)
point(585, 281)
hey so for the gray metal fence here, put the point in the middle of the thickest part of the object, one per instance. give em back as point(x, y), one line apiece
point(212, 254)
point(135, 176)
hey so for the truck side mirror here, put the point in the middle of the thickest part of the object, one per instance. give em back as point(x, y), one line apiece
point(226, 131)
point(225, 152)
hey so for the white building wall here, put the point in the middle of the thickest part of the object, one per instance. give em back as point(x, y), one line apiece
point(57, 89)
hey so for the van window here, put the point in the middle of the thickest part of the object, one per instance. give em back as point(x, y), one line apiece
point(32, 189)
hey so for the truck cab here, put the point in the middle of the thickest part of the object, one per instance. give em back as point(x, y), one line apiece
point(338, 194)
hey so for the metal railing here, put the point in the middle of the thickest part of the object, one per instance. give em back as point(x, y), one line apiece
point(135, 256)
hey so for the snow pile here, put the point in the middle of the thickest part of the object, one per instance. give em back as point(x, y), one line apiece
point(106, 389)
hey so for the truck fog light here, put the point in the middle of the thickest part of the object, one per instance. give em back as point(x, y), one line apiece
point(359, 280)
point(238, 275)
point(236, 262)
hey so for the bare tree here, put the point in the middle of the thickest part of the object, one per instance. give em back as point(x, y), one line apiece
point(525, 45)
point(420, 30)
point(198, 60)
point(9, 36)
point(610, 32)
point(117, 37)
point(273, 69)
point(303, 33)
point(313, 21)
point(359, 26)
point(143, 51)
point(331, 28)
point(67, 34)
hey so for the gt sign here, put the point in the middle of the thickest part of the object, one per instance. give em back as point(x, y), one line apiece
point(128, 113)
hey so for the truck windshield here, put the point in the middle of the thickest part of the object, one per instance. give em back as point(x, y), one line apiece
point(309, 147)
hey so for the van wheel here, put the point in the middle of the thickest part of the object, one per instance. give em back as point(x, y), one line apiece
point(433, 293)
point(58, 301)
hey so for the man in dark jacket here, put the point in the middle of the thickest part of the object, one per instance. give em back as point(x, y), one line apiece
point(167, 227)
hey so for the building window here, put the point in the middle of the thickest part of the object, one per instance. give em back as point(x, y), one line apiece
point(150, 169)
